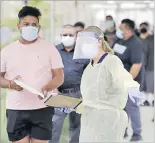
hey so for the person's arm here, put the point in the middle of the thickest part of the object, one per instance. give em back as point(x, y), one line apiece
point(135, 69)
point(56, 71)
point(58, 79)
point(121, 82)
point(120, 76)
point(136, 59)
point(4, 83)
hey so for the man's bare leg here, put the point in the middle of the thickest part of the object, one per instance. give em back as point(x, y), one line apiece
point(38, 141)
point(24, 140)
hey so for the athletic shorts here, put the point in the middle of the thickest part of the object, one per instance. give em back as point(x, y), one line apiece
point(33, 123)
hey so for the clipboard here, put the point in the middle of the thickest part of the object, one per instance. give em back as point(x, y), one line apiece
point(61, 100)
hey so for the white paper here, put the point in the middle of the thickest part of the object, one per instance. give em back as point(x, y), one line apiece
point(120, 49)
point(28, 88)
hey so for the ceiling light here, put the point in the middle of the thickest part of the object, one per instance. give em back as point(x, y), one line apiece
point(132, 6)
point(127, 5)
point(146, 1)
point(109, 6)
point(95, 6)
point(110, 2)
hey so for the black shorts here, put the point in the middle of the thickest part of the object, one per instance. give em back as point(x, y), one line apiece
point(33, 123)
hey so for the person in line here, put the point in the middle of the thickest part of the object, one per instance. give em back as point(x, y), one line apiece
point(79, 26)
point(149, 69)
point(130, 50)
point(148, 42)
point(109, 17)
point(37, 63)
point(73, 70)
point(104, 88)
point(111, 37)
point(110, 23)
point(110, 30)
point(144, 30)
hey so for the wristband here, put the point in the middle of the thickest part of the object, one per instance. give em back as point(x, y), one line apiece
point(9, 84)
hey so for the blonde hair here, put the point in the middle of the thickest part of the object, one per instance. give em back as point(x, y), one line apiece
point(99, 32)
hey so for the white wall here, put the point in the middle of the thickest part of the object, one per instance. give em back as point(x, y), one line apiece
point(67, 12)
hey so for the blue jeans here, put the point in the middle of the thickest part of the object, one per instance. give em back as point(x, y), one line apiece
point(133, 111)
point(74, 128)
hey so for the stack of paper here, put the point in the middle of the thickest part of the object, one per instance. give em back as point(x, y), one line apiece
point(53, 99)
point(28, 88)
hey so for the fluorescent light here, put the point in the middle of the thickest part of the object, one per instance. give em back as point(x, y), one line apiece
point(132, 6)
point(95, 6)
point(146, 1)
point(109, 6)
point(141, 6)
point(127, 5)
point(105, 6)
point(110, 2)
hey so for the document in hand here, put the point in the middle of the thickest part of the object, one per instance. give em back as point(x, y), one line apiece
point(63, 101)
point(28, 88)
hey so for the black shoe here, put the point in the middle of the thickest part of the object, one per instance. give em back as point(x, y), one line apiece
point(153, 120)
point(136, 137)
point(146, 103)
point(126, 134)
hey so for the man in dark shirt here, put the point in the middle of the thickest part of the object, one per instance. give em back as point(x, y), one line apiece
point(111, 37)
point(149, 69)
point(148, 42)
point(129, 49)
point(110, 21)
point(79, 26)
point(144, 30)
point(149, 66)
point(73, 70)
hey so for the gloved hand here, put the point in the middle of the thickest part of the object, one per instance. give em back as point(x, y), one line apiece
point(134, 95)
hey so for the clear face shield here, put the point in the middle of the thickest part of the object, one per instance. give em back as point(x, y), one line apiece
point(86, 45)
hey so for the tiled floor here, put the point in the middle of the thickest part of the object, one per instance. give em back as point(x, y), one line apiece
point(147, 125)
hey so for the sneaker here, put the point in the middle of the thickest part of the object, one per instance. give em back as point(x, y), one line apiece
point(136, 137)
point(146, 103)
point(126, 134)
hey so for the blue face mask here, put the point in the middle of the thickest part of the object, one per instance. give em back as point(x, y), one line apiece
point(110, 24)
point(29, 33)
point(119, 34)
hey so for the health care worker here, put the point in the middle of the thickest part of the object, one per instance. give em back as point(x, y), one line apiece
point(104, 89)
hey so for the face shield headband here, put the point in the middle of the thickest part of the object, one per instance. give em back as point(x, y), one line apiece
point(86, 45)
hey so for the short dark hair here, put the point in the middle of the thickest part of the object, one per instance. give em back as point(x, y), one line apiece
point(80, 24)
point(145, 23)
point(130, 23)
point(68, 25)
point(109, 16)
point(29, 11)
